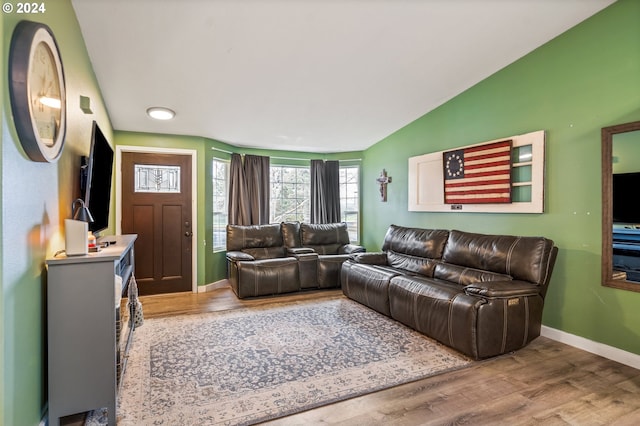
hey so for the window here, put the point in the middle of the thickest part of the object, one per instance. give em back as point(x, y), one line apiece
point(350, 200)
point(290, 198)
point(290, 194)
point(155, 178)
point(220, 172)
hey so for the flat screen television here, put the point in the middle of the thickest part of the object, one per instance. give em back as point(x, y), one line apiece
point(624, 198)
point(99, 168)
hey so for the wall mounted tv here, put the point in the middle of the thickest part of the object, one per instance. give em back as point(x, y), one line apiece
point(625, 204)
point(97, 195)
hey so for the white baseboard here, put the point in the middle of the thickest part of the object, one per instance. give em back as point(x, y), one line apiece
point(211, 287)
point(606, 351)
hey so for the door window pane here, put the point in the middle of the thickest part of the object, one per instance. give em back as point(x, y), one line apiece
point(158, 179)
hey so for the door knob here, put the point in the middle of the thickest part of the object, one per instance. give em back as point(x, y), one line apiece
point(188, 233)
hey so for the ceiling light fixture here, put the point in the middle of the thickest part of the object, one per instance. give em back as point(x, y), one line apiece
point(161, 113)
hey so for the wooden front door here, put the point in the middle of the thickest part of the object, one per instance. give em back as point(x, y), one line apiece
point(156, 205)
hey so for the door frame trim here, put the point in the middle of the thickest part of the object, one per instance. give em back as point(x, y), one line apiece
point(194, 194)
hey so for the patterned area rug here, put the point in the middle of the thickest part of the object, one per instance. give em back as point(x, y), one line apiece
point(256, 364)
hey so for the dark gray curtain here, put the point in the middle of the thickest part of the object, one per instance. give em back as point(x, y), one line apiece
point(249, 190)
point(325, 191)
point(257, 176)
point(239, 214)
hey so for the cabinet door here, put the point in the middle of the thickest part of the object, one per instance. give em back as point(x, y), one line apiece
point(82, 338)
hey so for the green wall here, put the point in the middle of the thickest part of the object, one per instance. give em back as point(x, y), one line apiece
point(37, 198)
point(585, 79)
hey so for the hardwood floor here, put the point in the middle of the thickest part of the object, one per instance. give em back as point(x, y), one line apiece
point(546, 383)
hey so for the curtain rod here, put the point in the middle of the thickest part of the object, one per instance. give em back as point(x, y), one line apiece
point(309, 159)
point(221, 150)
point(285, 158)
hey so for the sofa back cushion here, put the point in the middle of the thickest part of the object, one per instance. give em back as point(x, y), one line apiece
point(425, 243)
point(291, 234)
point(418, 265)
point(325, 238)
point(243, 237)
point(523, 258)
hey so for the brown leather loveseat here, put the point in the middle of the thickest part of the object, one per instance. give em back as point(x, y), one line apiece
point(286, 257)
point(479, 294)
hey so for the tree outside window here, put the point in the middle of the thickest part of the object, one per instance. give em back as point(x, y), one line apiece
point(290, 194)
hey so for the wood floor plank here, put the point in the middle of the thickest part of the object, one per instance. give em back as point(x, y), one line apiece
point(600, 409)
point(545, 383)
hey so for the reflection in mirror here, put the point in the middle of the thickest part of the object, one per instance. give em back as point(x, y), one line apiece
point(620, 210)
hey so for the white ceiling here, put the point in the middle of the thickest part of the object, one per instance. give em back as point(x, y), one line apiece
point(305, 75)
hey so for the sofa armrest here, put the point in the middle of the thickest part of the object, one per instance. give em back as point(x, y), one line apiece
point(377, 258)
point(351, 249)
point(294, 251)
point(237, 256)
point(502, 289)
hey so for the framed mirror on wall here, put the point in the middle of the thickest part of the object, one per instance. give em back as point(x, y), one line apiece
point(621, 206)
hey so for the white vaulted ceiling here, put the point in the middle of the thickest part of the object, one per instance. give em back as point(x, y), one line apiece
point(305, 75)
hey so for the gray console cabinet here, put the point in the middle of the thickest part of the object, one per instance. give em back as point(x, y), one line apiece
point(81, 316)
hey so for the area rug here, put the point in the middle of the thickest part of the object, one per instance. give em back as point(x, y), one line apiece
point(251, 365)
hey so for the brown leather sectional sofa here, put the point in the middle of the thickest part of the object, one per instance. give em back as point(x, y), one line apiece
point(479, 294)
point(286, 257)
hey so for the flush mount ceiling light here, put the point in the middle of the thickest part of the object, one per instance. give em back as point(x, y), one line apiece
point(161, 113)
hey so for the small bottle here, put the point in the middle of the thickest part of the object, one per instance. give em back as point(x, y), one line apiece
point(92, 240)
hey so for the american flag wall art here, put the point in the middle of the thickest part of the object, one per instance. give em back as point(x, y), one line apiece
point(478, 175)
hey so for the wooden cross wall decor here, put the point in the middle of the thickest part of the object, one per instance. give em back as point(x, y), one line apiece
point(383, 180)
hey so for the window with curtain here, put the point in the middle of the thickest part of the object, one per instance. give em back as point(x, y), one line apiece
point(350, 200)
point(290, 197)
point(220, 177)
point(290, 193)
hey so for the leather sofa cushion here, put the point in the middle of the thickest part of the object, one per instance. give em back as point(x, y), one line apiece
point(269, 276)
point(425, 304)
point(368, 284)
point(464, 275)
point(291, 234)
point(323, 233)
point(419, 265)
point(324, 238)
point(266, 252)
point(524, 258)
point(325, 249)
point(375, 258)
point(241, 237)
point(419, 242)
